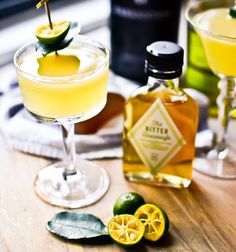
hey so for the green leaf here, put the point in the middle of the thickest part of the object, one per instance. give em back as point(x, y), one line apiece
point(72, 225)
point(46, 49)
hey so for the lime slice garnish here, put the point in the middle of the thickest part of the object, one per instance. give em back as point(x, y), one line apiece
point(58, 65)
point(53, 36)
point(126, 229)
point(128, 203)
point(155, 221)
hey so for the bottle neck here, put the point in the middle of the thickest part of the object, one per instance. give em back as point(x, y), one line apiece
point(155, 83)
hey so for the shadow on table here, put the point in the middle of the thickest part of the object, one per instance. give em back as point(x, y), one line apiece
point(106, 239)
point(164, 242)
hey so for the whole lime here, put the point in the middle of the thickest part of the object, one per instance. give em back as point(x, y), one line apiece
point(128, 203)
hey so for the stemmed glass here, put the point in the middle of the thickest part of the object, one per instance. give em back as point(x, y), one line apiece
point(66, 100)
point(221, 54)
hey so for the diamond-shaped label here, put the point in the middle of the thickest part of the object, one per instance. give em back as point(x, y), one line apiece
point(156, 138)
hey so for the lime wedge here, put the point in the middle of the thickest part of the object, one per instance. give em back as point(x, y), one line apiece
point(53, 36)
point(58, 65)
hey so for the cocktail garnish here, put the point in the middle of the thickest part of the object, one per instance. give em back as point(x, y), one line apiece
point(52, 36)
point(46, 49)
point(45, 3)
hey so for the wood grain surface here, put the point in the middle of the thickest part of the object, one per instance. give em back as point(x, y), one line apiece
point(202, 217)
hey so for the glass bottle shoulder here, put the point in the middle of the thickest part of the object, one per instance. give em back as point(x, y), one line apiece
point(169, 95)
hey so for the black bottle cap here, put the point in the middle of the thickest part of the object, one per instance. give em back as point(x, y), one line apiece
point(164, 60)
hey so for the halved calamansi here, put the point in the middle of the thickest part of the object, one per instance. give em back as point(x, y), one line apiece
point(55, 35)
point(155, 221)
point(126, 229)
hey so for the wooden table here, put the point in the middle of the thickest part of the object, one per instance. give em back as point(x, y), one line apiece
point(202, 217)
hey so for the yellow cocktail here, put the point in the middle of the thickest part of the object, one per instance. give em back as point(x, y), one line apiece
point(71, 83)
point(215, 21)
point(64, 87)
point(220, 51)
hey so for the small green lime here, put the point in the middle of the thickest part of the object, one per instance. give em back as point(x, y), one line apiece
point(53, 36)
point(128, 203)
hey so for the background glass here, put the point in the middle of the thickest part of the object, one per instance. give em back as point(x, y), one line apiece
point(221, 51)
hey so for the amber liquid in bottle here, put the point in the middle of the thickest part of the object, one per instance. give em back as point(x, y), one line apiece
point(183, 110)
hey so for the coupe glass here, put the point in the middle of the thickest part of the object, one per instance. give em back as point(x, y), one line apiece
point(220, 50)
point(66, 100)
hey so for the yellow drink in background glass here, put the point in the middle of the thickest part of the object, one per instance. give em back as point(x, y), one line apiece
point(216, 24)
point(72, 83)
point(221, 52)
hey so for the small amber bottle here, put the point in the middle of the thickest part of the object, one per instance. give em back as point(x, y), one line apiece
point(160, 123)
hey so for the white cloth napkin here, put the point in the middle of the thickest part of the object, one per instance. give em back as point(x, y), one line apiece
point(24, 133)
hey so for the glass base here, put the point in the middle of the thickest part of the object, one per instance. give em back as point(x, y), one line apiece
point(218, 168)
point(83, 188)
point(215, 160)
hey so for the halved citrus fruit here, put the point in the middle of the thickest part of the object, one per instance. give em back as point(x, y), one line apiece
point(55, 35)
point(126, 229)
point(58, 65)
point(155, 221)
point(128, 203)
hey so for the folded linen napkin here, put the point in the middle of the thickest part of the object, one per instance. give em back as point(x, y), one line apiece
point(24, 133)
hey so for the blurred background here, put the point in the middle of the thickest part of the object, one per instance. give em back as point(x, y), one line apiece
point(19, 19)
point(126, 27)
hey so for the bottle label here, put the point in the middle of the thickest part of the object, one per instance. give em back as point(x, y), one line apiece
point(156, 138)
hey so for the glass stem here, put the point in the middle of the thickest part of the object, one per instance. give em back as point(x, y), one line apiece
point(69, 149)
point(224, 102)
